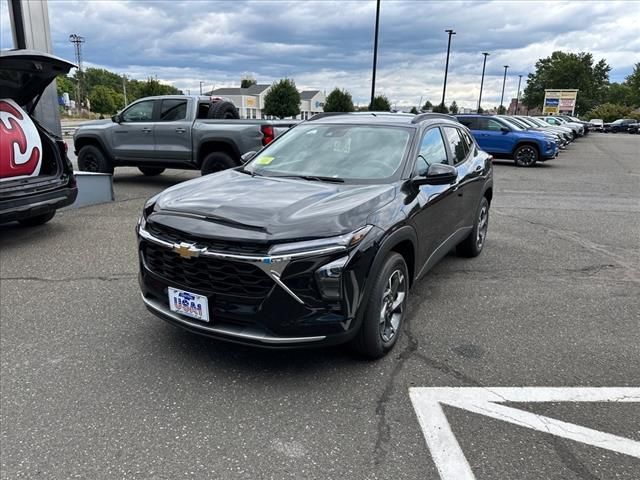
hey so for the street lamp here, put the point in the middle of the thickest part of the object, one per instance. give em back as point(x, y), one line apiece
point(504, 81)
point(375, 53)
point(518, 96)
point(446, 67)
point(484, 64)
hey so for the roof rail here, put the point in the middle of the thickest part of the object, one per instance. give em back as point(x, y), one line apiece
point(430, 115)
point(327, 114)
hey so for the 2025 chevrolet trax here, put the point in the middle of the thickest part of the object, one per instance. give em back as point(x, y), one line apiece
point(318, 238)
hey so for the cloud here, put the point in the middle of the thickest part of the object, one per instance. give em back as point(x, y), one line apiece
point(324, 44)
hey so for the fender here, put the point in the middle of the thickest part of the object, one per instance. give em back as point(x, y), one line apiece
point(232, 146)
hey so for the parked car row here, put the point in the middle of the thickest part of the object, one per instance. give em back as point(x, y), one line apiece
point(524, 139)
point(621, 125)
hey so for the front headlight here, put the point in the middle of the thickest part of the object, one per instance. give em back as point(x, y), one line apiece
point(341, 242)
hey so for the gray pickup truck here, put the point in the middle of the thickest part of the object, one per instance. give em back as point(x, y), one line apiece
point(173, 131)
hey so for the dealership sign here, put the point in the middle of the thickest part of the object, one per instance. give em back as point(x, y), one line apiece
point(559, 101)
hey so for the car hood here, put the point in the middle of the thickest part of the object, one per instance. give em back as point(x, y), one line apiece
point(26, 73)
point(239, 206)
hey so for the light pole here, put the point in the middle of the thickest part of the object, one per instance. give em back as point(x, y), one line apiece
point(518, 96)
point(375, 53)
point(201, 87)
point(446, 67)
point(484, 64)
point(504, 81)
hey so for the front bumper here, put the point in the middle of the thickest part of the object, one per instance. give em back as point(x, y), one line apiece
point(34, 204)
point(289, 313)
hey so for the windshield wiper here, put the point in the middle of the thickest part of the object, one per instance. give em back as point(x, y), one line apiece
point(316, 178)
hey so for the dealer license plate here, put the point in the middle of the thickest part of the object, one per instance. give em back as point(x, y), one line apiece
point(189, 304)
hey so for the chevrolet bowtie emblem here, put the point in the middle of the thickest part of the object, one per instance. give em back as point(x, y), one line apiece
point(187, 250)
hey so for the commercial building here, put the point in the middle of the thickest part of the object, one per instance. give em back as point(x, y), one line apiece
point(250, 101)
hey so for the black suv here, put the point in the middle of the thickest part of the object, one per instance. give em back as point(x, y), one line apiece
point(317, 239)
point(36, 177)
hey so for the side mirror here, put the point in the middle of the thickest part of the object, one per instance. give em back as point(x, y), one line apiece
point(505, 130)
point(438, 174)
point(247, 156)
point(116, 119)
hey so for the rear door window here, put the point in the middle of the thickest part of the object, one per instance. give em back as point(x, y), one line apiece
point(457, 146)
point(173, 110)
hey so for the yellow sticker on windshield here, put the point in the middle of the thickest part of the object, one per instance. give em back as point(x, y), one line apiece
point(264, 160)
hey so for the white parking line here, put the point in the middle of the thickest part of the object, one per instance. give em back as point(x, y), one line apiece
point(445, 449)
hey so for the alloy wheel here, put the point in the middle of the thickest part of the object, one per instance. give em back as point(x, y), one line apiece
point(526, 156)
point(393, 304)
point(483, 225)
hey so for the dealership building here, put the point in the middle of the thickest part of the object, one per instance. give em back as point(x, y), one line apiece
point(250, 101)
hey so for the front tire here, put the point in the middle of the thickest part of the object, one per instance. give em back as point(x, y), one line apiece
point(525, 155)
point(474, 243)
point(92, 159)
point(151, 171)
point(385, 310)
point(216, 162)
point(37, 220)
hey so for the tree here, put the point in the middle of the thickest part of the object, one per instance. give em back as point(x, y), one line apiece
point(247, 82)
point(619, 93)
point(502, 110)
point(102, 100)
point(609, 112)
point(480, 110)
point(442, 108)
point(427, 105)
point(569, 70)
point(339, 101)
point(453, 108)
point(282, 100)
point(633, 82)
point(65, 84)
point(413, 110)
point(380, 104)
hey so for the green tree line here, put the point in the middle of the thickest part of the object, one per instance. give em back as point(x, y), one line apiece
point(105, 89)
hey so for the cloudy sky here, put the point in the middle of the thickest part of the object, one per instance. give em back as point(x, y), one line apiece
point(322, 44)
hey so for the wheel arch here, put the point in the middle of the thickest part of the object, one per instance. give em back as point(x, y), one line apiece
point(224, 146)
point(92, 140)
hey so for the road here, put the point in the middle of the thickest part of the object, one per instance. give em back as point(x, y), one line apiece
point(93, 386)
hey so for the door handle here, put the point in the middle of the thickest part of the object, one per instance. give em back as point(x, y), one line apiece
point(181, 130)
point(146, 130)
point(478, 169)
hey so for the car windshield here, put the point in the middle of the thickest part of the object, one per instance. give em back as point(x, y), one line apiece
point(335, 152)
point(617, 122)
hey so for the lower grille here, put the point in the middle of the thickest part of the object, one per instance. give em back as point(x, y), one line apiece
point(208, 274)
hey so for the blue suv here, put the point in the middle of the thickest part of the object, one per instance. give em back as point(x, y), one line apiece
point(503, 139)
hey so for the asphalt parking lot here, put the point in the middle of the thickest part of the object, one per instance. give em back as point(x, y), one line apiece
point(93, 386)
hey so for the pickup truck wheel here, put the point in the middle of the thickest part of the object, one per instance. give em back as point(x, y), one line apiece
point(385, 310)
point(91, 159)
point(525, 156)
point(37, 220)
point(216, 162)
point(151, 171)
point(222, 111)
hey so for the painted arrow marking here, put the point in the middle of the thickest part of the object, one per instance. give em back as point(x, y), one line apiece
point(445, 449)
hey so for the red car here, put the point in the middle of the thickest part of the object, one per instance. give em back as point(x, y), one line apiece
point(36, 177)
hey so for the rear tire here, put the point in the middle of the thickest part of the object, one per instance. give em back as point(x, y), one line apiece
point(151, 171)
point(216, 162)
point(37, 220)
point(385, 310)
point(223, 111)
point(474, 243)
point(92, 159)
point(525, 155)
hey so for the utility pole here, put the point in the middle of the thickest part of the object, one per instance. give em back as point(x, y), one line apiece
point(484, 64)
point(77, 41)
point(518, 96)
point(124, 89)
point(375, 53)
point(504, 81)
point(446, 67)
